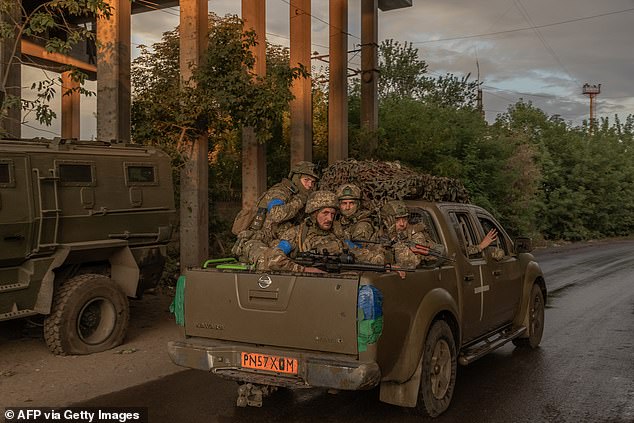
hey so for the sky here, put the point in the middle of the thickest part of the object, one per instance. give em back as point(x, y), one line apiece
point(542, 51)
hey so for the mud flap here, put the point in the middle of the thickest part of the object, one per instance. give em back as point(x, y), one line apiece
point(403, 394)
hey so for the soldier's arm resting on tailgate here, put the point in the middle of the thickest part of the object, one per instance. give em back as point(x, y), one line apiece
point(278, 256)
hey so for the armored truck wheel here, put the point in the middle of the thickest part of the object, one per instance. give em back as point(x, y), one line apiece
point(89, 314)
point(439, 371)
point(535, 320)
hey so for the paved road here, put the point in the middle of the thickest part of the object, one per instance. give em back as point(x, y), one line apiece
point(583, 371)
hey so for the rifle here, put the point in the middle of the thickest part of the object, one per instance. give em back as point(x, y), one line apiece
point(387, 243)
point(335, 263)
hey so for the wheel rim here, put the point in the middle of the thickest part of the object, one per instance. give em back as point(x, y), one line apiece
point(96, 321)
point(440, 369)
point(537, 316)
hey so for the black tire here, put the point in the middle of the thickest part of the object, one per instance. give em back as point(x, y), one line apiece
point(90, 314)
point(438, 377)
point(535, 320)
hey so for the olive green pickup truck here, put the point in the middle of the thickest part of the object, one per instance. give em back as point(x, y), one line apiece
point(359, 330)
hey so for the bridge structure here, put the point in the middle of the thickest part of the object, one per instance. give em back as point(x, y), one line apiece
point(108, 62)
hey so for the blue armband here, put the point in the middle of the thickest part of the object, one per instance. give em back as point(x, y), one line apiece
point(274, 202)
point(285, 246)
point(353, 244)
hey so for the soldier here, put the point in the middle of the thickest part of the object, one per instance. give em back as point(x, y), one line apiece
point(354, 224)
point(489, 238)
point(314, 234)
point(409, 244)
point(277, 209)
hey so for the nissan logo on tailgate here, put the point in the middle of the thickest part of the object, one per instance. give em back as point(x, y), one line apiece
point(264, 281)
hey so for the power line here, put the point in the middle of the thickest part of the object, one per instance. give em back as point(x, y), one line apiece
point(464, 37)
point(545, 43)
point(321, 20)
point(156, 6)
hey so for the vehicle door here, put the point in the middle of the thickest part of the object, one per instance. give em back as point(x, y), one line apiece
point(475, 282)
point(16, 210)
point(504, 269)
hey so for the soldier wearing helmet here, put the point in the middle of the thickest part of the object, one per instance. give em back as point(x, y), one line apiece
point(410, 245)
point(278, 209)
point(316, 233)
point(354, 224)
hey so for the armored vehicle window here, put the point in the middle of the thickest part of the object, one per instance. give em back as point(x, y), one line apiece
point(5, 176)
point(140, 174)
point(76, 174)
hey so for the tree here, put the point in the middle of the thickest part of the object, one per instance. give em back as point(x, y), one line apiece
point(224, 96)
point(50, 22)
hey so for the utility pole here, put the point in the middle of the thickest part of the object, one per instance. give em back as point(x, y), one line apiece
point(591, 91)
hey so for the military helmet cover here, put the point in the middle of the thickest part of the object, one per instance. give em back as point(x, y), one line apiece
point(348, 192)
point(321, 199)
point(304, 168)
point(395, 209)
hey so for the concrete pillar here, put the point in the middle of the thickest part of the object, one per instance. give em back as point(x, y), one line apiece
point(70, 107)
point(301, 105)
point(194, 189)
point(369, 71)
point(254, 153)
point(11, 77)
point(113, 70)
point(338, 85)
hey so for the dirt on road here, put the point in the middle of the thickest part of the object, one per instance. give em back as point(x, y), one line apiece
point(31, 376)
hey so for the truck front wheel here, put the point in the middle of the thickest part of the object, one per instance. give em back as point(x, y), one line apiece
point(89, 314)
point(439, 370)
point(535, 320)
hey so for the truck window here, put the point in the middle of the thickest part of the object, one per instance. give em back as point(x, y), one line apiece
point(466, 234)
point(419, 216)
point(501, 243)
point(140, 174)
point(76, 174)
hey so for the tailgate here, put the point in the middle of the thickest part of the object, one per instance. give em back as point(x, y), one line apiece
point(292, 311)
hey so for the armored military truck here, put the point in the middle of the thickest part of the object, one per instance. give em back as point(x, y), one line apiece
point(83, 226)
point(356, 330)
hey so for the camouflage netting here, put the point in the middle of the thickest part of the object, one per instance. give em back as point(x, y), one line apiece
point(384, 181)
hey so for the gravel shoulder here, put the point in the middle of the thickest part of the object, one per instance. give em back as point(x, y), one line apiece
point(31, 376)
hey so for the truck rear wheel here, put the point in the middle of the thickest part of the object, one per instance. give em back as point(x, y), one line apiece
point(535, 320)
point(90, 314)
point(439, 370)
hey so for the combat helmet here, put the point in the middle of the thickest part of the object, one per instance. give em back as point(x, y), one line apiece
point(304, 168)
point(395, 209)
point(320, 199)
point(348, 192)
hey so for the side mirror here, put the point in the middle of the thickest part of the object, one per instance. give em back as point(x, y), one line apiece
point(523, 245)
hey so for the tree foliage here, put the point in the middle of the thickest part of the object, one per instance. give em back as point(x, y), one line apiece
point(223, 95)
point(538, 174)
point(49, 22)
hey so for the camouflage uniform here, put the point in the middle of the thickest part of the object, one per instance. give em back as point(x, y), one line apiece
point(279, 208)
point(356, 226)
point(307, 236)
point(402, 241)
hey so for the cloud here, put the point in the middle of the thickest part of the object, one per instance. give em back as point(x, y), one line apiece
point(547, 66)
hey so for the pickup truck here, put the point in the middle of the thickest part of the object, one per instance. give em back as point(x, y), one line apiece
point(360, 330)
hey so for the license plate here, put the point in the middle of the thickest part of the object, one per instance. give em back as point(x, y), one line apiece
point(269, 363)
